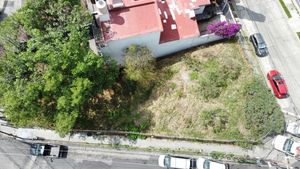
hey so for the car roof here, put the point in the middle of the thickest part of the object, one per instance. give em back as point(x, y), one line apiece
point(259, 38)
point(180, 162)
point(279, 141)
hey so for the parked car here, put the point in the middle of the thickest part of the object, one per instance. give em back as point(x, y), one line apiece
point(286, 145)
point(203, 163)
point(293, 128)
point(259, 44)
point(278, 84)
point(47, 150)
point(176, 162)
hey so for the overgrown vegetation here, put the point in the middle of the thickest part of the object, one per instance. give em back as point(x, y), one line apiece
point(49, 77)
point(285, 8)
point(259, 99)
point(210, 95)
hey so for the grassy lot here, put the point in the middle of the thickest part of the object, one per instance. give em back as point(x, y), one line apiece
point(205, 92)
point(286, 10)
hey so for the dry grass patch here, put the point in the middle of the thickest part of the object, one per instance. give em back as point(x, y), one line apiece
point(177, 105)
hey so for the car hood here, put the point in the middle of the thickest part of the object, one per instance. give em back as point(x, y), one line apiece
point(161, 159)
point(282, 88)
point(278, 142)
point(262, 50)
point(293, 128)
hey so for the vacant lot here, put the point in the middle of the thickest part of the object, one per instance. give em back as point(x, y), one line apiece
point(211, 92)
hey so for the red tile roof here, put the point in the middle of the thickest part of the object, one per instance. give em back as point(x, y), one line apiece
point(176, 19)
point(135, 18)
point(170, 17)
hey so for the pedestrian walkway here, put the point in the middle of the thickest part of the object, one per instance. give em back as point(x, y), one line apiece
point(83, 137)
point(294, 9)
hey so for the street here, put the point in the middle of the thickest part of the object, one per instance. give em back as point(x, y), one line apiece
point(279, 32)
point(268, 18)
point(15, 155)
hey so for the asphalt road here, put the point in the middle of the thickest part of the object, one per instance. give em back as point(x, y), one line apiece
point(14, 154)
point(282, 42)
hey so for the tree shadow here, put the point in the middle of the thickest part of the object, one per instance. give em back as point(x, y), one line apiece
point(252, 15)
point(2, 16)
point(116, 109)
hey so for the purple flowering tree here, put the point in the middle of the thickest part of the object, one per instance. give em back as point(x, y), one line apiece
point(224, 29)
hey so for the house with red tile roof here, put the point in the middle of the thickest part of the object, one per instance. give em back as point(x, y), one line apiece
point(164, 26)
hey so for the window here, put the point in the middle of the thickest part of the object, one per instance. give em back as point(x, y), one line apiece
point(277, 77)
point(193, 164)
point(206, 164)
point(276, 85)
point(288, 145)
point(167, 161)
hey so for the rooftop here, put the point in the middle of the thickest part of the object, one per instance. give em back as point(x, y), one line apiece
point(175, 19)
point(178, 18)
point(134, 18)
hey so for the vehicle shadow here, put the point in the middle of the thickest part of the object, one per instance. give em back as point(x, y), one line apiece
point(246, 13)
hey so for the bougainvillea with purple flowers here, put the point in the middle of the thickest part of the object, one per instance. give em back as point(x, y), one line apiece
point(224, 29)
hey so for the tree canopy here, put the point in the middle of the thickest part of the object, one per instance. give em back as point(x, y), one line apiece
point(48, 73)
point(140, 65)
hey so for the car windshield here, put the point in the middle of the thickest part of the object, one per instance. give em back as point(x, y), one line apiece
point(206, 164)
point(261, 45)
point(288, 145)
point(167, 161)
point(193, 163)
point(277, 77)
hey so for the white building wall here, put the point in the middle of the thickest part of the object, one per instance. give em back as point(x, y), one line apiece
point(115, 49)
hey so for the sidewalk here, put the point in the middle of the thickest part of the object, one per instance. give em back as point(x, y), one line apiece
point(26, 133)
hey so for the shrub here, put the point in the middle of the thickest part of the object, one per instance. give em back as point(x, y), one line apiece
point(214, 118)
point(262, 113)
point(140, 65)
point(224, 29)
point(217, 76)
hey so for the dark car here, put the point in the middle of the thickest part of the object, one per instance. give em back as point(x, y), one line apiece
point(47, 150)
point(259, 44)
point(278, 84)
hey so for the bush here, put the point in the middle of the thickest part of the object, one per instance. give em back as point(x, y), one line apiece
point(224, 29)
point(217, 77)
point(214, 118)
point(140, 65)
point(262, 113)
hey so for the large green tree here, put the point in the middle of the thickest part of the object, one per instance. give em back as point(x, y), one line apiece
point(48, 80)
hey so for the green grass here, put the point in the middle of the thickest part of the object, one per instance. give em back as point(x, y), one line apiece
point(286, 10)
point(209, 101)
point(298, 33)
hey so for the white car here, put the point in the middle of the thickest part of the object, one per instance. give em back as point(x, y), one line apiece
point(203, 163)
point(286, 145)
point(293, 128)
point(177, 162)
